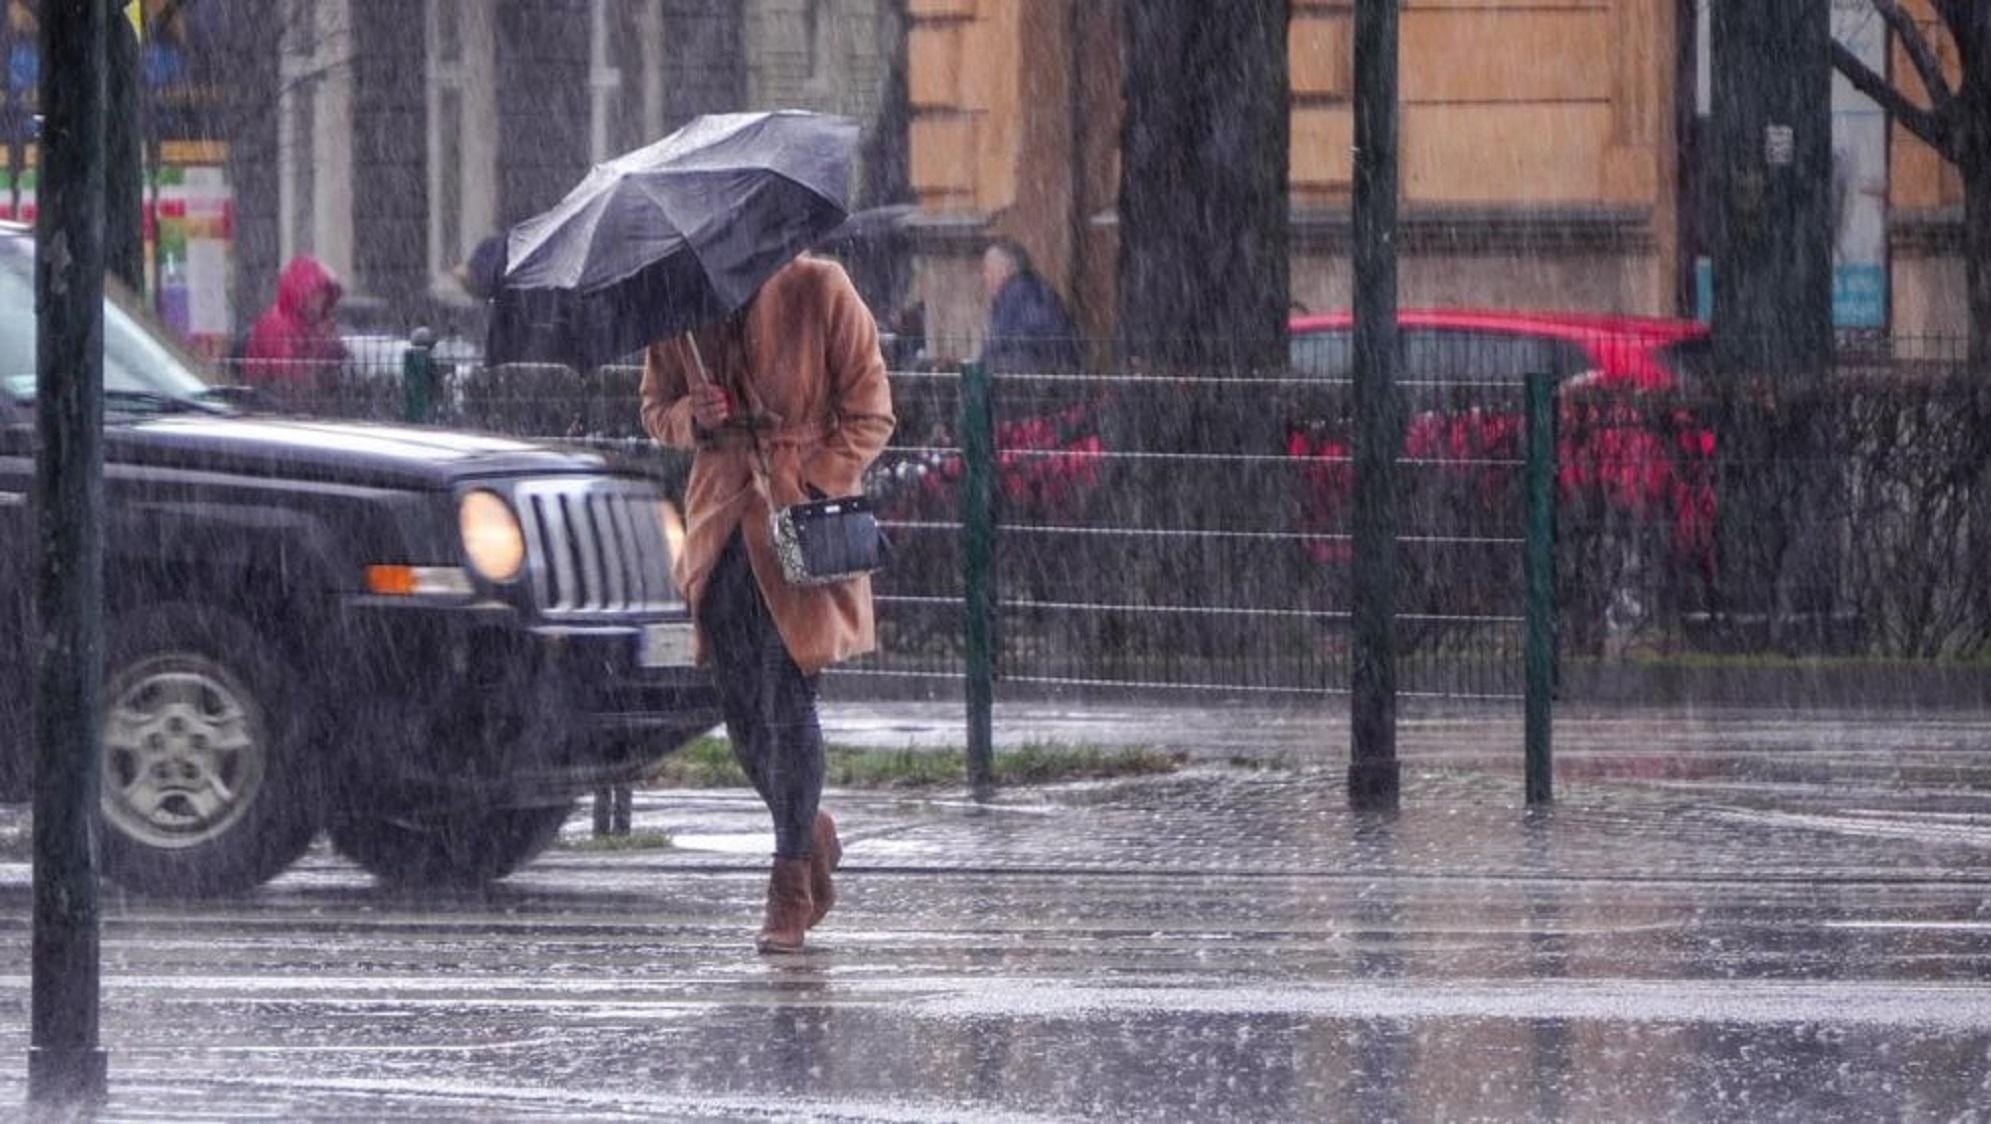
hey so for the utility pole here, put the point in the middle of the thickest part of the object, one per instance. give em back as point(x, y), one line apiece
point(1771, 64)
point(65, 1064)
point(1373, 774)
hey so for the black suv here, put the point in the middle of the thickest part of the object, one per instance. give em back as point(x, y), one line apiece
point(426, 642)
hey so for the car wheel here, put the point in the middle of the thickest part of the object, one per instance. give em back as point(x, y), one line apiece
point(459, 849)
point(205, 785)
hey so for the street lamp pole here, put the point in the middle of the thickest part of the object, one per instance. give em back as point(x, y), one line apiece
point(65, 1064)
point(1373, 773)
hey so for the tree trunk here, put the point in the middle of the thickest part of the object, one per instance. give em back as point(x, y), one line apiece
point(124, 156)
point(1970, 151)
point(1204, 207)
point(1976, 170)
point(881, 266)
point(1771, 72)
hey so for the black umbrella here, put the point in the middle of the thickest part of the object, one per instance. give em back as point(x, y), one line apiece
point(670, 236)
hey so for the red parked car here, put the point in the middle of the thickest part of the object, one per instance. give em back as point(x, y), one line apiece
point(1619, 441)
point(1635, 462)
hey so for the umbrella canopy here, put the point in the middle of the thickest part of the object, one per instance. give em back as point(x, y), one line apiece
point(670, 236)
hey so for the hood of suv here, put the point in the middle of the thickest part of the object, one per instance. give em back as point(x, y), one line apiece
point(352, 452)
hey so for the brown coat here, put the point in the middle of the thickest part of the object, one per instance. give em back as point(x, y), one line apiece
point(812, 361)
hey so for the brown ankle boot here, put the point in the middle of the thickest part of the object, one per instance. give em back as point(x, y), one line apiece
point(826, 857)
point(789, 906)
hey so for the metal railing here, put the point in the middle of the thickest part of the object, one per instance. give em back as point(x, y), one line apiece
point(1181, 535)
point(1190, 534)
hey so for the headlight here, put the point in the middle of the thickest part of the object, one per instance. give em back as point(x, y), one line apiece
point(667, 513)
point(493, 541)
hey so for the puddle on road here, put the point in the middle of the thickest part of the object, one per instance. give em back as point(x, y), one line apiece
point(739, 843)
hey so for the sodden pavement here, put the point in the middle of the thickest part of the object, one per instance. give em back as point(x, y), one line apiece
point(1726, 915)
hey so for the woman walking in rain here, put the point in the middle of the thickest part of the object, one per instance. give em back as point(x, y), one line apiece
point(783, 400)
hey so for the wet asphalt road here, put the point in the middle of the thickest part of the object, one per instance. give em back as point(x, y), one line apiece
point(1726, 916)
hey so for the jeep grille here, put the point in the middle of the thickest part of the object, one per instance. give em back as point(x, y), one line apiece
point(595, 547)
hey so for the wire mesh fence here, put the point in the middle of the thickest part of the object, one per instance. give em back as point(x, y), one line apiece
point(1192, 532)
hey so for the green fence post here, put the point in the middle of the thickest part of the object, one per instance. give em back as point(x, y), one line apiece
point(1539, 656)
point(418, 378)
point(978, 531)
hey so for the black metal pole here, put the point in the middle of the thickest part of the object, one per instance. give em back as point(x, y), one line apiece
point(64, 1061)
point(1373, 775)
point(1539, 657)
point(978, 532)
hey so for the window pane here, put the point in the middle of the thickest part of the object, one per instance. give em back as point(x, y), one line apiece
point(303, 176)
point(449, 31)
point(1324, 355)
point(300, 28)
point(625, 54)
point(449, 163)
point(17, 326)
point(1481, 357)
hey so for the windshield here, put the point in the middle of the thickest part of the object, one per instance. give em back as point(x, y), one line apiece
point(140, 371)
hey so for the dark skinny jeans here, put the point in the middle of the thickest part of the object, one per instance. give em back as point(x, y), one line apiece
point(770, 706)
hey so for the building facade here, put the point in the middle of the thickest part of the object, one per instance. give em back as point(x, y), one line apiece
point(1553, 152)
point(1538, 160)
point(389, 137)
point(1552, 157)
point(404, 132)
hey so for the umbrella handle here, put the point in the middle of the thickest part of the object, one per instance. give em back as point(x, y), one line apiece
point(753, 423)
point(760, 414)
point(698, 359)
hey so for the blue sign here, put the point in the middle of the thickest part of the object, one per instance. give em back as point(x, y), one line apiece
point(1859, 296)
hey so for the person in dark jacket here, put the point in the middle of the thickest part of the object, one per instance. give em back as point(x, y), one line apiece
point(1029, 329)
point(482, 274)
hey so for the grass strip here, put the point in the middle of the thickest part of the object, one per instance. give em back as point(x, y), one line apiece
point(616, 844)
point(708, 763)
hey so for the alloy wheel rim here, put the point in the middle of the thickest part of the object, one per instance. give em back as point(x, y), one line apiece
point(185, 752)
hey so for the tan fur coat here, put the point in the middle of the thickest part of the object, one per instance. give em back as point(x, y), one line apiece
point(812, 361)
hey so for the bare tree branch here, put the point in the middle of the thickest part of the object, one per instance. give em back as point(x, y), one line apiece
point(1927, 65)
point(1933, 128)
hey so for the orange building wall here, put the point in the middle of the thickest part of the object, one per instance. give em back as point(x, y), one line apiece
point(1924, 194)
point(1510, 106)
point(1504, 101)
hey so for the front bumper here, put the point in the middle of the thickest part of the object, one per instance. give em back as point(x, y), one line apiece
point(474, 703)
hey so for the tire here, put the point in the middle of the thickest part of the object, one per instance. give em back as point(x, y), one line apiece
point(461, 850)
point(206, 785)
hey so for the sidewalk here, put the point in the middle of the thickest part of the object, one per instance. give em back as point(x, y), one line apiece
point(1316, 733)
point(1723, 917)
